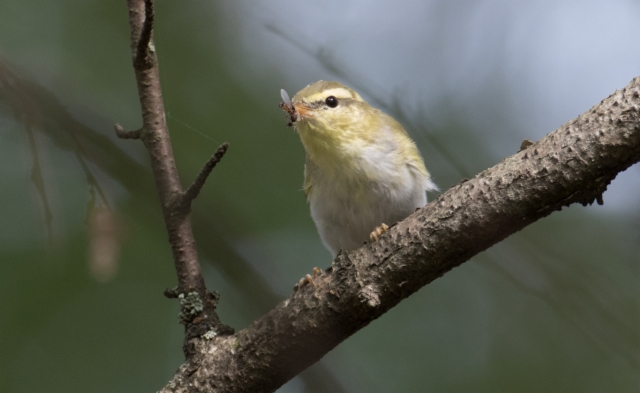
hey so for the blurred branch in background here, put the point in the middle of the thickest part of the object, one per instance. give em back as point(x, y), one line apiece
point(588, 304)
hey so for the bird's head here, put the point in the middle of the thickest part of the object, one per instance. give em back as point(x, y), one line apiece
point(331, 117)
point(327, 103)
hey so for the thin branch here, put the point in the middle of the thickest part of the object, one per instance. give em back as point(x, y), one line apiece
point(38, 180)
point(23, 111)
point(573, 164)
point(194, 189)
point(196, 301)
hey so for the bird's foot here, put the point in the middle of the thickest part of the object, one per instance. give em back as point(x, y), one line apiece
point(378, 232)
point(308, 279)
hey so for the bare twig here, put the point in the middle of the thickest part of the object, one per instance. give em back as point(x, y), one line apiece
point(194, 189)
point(125, 134)
point(197, 303)
point(38, 181)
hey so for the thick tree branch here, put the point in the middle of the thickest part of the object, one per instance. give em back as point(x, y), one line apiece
point(573, 164)
point(197, 303)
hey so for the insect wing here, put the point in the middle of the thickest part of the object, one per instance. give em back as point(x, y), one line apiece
point(285, 97)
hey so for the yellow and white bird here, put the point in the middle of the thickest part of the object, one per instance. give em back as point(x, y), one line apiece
point(362, 169)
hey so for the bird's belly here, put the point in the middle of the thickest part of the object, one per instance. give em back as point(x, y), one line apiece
point(345, 216)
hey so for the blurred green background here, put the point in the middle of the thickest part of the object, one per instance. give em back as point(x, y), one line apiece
point(85, 259)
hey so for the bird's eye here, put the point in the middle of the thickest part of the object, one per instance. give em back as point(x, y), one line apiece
point(331, 102)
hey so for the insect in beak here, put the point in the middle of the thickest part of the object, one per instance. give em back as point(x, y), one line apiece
point(288, 107)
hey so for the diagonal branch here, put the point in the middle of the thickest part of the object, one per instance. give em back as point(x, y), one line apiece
point(573, 164)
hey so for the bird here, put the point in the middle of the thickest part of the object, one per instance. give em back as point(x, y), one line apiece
point(362, 171)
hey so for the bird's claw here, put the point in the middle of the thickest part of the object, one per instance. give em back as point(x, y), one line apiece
point(373, 236)
point(307, 279)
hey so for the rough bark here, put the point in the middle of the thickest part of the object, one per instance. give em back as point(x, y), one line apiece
point(573, 164)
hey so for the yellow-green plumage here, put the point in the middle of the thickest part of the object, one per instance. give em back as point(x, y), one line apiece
point(362, 168)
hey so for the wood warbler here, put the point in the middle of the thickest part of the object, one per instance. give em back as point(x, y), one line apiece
point(362, 169)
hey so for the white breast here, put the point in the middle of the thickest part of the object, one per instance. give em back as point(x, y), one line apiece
point(379, 189)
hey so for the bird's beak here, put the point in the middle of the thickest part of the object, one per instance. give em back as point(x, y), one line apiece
point(303, 110)
point(296, 111)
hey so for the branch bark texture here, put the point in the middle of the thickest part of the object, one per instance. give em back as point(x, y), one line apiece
point(573, 164)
